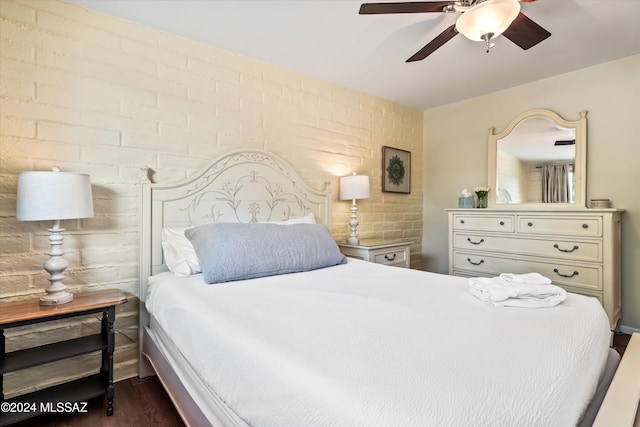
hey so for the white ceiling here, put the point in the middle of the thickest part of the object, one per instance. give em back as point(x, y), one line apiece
point(329, 40)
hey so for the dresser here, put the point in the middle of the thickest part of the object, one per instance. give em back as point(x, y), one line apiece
point(578, 250)
point(396, 253)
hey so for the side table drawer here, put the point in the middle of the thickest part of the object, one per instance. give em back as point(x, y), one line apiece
point(391, 257)
point(397, 254)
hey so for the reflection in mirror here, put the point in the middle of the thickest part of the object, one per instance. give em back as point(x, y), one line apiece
point(540, 158)
point(535, 163)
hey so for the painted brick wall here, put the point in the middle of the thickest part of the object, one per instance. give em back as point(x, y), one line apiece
point(94, 94)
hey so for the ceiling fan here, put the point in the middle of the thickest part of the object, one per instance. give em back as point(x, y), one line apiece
point(480, 20)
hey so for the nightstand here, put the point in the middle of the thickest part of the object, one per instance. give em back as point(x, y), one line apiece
point(67, 396)
point(391, 252)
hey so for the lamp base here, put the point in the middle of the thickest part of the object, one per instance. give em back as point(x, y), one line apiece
point(56, 298)
point(353, 223)
point(55, 266)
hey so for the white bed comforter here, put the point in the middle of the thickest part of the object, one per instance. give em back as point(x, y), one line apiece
point(362, 344)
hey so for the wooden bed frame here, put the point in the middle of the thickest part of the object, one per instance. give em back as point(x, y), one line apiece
point(253, 185)
point(620, 406)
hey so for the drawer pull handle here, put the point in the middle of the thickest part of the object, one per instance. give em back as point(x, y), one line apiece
point(474, 243)
point(575, 273)
point(462, 221)
point(501, 222)
point(530, 224)
point(475, 263)
point(388, 258)
point(575, 248)
point(585, 225)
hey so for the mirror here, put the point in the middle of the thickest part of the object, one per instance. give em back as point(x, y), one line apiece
point(539, 159)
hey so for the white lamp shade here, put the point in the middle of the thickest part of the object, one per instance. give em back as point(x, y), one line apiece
point(53, 196)
point(492, 16)
point(354, 187)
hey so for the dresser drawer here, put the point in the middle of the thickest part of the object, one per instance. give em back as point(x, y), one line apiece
point(562, 249)
point(483, 242)
point(483, 263)
point(565, 226)
point(578, 276)
point(497, 223)
point(469, 274)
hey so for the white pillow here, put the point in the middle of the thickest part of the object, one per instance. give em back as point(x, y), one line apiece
point(180, 256)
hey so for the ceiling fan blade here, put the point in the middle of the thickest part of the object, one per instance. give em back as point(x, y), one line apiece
point(434, 44)
point(525, 33)
point(404, 7)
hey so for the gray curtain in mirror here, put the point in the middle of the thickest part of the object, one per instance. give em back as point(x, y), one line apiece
point(557, 183)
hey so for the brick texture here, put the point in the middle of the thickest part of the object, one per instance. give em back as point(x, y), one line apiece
point(99, 95)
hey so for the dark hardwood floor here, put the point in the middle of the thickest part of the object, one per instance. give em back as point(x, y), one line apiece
point(145, 403)
point(136, 403)
point(620, 342)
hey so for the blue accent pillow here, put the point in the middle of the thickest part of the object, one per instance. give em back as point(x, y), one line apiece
point(238, 251)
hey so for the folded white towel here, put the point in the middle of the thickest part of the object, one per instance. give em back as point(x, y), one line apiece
point(501, 292)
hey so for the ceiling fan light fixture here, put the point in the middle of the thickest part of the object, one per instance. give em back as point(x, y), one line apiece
point(487, 39)
point(491, 16)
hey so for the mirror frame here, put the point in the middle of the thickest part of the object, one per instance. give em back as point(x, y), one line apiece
point(580, 167)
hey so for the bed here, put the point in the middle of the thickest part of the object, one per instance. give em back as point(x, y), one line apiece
point(346, 342)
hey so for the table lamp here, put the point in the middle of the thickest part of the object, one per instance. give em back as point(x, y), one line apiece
point(354, 187)
point(54, 195)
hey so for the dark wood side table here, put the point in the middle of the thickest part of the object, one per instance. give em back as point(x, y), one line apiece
point(63, 397)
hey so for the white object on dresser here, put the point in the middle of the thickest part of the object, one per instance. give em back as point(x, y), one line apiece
point(578, 250)
point(396, 253)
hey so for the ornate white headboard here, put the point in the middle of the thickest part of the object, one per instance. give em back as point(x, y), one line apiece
point(244, 185)
point(247, 185)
